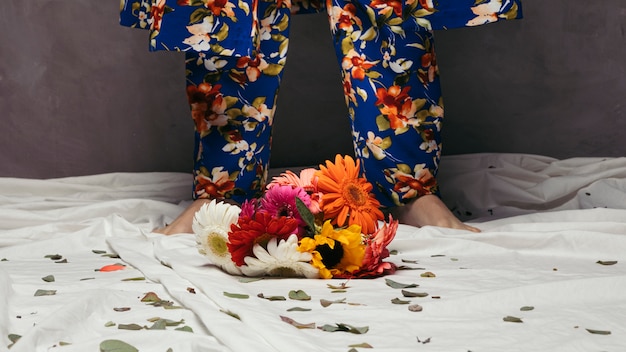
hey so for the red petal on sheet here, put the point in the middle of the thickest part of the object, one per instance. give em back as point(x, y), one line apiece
point(112, 267)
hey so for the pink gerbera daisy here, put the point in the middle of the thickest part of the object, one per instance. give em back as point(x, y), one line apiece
point(281, 201)
point(306, 180)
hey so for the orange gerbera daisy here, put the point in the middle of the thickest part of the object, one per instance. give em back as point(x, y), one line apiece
point(347, 198)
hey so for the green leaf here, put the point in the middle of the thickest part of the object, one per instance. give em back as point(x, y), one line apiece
point(116, 346)
point(428, 274)
point(236, 295)
point(232, 314)
point(607, 262)
point(246, 280)
point(14, 337)
point(98, 251)
point(158, 325)
point(512, 319)
point(361, 345)
point(299, 295)
point(406, 293)
point(134, 279)
point(343, 286)
point(54, 256)
point(272, 298)
point(345, 328)
point(184, 328)
point(526, 308)
point(305, 214)
point(299, 309)
point(150, 297)
point(394, 284)
point(48, 278)
point(599, 332)
point(129, 327)
point(399, 301)
point(108, 324)
point(325, 303)
point(45, 293)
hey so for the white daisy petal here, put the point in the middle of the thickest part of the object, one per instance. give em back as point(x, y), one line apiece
point(281, 258)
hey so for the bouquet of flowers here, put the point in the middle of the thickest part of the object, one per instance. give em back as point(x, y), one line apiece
point(318, 224)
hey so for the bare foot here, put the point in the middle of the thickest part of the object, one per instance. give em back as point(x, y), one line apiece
point(182, 224)
point(430, 210)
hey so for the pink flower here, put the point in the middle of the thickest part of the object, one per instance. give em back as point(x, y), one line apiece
point(281, 201)
point(306, 180)
point(376, 250)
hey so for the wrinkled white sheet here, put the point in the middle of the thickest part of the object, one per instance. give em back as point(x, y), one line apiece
point(546, 223)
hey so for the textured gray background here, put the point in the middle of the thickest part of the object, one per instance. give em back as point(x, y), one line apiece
point(80, 94)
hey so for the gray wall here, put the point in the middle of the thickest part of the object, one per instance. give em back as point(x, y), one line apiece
point(75, 93)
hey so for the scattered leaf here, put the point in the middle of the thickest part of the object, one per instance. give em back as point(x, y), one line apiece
point(121, 309)
point(338, 291)
point(415, 308)
point(14, 337)
point(158, 325)
point(299, 295)
point(112, 267)
point(129, 327)
point(406, 293)
point(236, 295)
point(409, 261)
point(343, 286)
point(344, 327)
point(108, 324)
point(404, 267)
point(361, 345)
point(399, 301)
point(54, 256)
point(165, 264)
point(428, 274)
point(63, 343)
point(116, 346)
point(325, 303)
point(111, 255)
point(296, 324)
point(393, 252)
point(141, 278)
point(437, 255)
point(435, 297)
point(184, 328)
point(62, 261)
point(526, 308)
point(512, 319)
point(87, 278)
point(245, 279)
point(599, 332)
point(272, 298)
point(232, 314)
point(191, 290)
point(454, 259)
point(150, 297)
point(45, 293)
point(98, 251)
point(394, 284)
point(48, 278)
point(299, 309)
point(607, 262)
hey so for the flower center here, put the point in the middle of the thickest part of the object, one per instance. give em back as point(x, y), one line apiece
point(353, 194)
point(330, 256)
point(218, 245)
point(283, 271)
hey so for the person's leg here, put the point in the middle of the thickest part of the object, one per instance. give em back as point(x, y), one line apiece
point(232, 101)
point(392, 89)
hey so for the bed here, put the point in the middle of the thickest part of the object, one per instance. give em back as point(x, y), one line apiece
point(547, 272)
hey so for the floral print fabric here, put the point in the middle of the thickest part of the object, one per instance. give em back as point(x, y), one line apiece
point(235, 52)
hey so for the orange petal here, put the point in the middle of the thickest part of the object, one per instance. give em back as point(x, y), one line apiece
point(112, 267)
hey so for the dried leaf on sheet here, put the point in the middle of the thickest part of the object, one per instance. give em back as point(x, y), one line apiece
point(54, 256)
point(121, 309)
point(415, 308)
point(231, 313)
point(98, 251)
point(394, 284)
point(406, 293)
point(272, 298)
point(48, 278)
point(527, 308)
point(325, 303)
point(62, 261)
point(296, 324)
point(108, 324)
point(599, 332)
point(236, 295)
point(361, 345)
point(116, 346)
point(428, 274)
point(140, 278)
point(299, 309)
point(607, 262)
point(410, 261)
point(299, 295)
point(512, 319)
point(191, 290)
point(399, 301)
point(158, 325)
point(45, 293)
point(184, 328)
point(167, 322)
point(245, 279)
point(342, 286)
point(129, 327)
point(344, 328)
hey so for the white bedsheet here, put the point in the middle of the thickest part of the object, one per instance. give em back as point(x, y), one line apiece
point(546, 223)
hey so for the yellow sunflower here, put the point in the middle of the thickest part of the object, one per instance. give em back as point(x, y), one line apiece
point(335, 252)
point(347, 198)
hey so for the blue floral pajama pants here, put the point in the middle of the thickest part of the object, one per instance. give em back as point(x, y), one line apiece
point(385, 50)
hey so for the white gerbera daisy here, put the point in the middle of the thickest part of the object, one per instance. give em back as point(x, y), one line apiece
point(280, 259)
point(211, 224)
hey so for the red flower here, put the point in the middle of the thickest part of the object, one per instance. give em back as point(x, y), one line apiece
point(258, 229)
point(376, 251)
